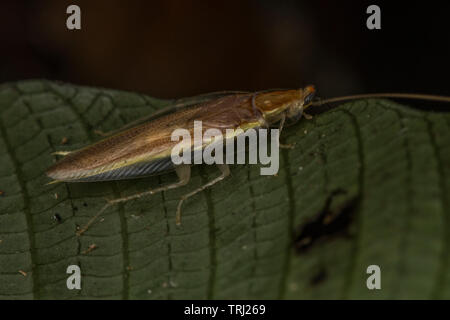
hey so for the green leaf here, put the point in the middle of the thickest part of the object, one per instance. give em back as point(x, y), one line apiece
point(368, 183)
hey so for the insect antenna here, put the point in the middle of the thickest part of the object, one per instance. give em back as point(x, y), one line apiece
point(415, 96)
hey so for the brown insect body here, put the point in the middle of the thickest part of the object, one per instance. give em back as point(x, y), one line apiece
point(145, 149)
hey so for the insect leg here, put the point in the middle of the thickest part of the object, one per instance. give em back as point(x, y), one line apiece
point(61, 153)
point(280, 128)
point(224, 169)
point(104, 134)
point(183, 173)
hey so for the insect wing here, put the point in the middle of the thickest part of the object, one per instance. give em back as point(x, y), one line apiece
point(145, 149)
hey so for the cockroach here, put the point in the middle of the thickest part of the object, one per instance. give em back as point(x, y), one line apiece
point(143, 148)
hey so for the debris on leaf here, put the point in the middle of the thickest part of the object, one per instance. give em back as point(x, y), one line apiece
point(90, 248)
point(57, 217)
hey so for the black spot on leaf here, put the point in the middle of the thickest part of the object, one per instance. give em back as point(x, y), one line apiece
point(57, 218)
point(319, 277)
point(327, 225)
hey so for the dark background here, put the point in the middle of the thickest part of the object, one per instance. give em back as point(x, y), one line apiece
point(172, 49)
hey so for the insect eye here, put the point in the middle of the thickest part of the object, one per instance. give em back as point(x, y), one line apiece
point(309, 94)
point(309, 98)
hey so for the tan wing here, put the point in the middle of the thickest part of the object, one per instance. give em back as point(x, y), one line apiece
point(176, 105)
point(132, 152)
